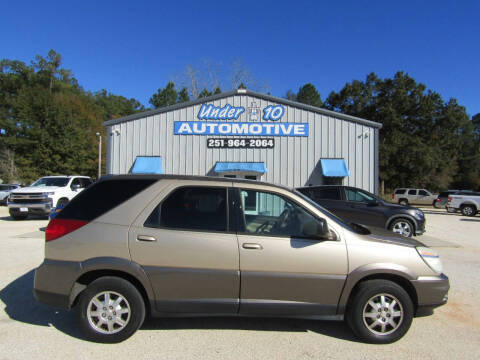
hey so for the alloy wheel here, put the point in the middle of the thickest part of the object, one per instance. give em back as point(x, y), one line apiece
point(403, 228)
point(108, 312)
point(382, 314)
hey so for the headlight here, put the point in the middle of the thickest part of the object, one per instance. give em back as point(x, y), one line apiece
point(419, 214)
point(431, 258)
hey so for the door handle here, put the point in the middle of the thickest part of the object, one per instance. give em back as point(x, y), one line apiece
point(252, 246)
point(145, 238)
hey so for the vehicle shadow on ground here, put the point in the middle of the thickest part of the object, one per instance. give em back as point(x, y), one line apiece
point(20, 305)
point(336, 329)
point(30, 218)
point(432, 212)
point(474, 220)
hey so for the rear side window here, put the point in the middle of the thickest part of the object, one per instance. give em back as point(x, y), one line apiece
point(412, 192)
point(422, 192)
point(192, 208)
point(400, 191)
point(102, 197)
point(325, 194)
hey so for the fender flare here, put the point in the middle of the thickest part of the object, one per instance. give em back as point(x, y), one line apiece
point(116, 264)
point(397, 216)
point(360, 273)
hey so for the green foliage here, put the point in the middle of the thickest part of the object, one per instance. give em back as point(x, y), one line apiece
point(49, 122)
point(309, 95)
point(217, 91)
point(183, 95)
point(204, 93)
point(164, 97)
point(424, 141)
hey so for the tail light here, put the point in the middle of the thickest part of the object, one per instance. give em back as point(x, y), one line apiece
point(439, 200)
point(59, 227)
point(449, 199)
point(393, 196)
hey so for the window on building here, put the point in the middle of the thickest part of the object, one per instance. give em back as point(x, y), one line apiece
point(274, 215)
point(251, 177)
point(230, 176)
point(192, 208)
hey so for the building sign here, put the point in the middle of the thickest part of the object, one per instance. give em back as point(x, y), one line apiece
point(239, 128)
point(268, 125)
point(239, 143)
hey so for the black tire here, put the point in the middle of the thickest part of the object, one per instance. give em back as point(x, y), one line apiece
point(17, 216)
point(369, 291)
point(437, 204)
point(406, 224)
point(403, 202)
point(62, 201)
point(133, 319)
point(468, 210)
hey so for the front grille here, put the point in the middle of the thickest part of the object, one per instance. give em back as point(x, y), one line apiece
point(27, 196)
point(27, 201)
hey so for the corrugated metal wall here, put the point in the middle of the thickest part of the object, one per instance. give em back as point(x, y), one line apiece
point(293, 162)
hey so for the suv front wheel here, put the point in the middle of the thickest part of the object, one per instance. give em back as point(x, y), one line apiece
point(403, 227)
point(380, 312)
point(110, 310)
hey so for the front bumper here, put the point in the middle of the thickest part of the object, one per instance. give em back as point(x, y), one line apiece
point(420, 226)
point(44, 207)
point(432, 291)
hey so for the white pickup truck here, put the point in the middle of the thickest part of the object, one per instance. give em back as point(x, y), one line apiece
point(45, 194)
point(468, 204)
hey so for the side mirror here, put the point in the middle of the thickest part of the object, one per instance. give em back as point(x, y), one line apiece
point(317, 230)
point(75, 187)
point(374, 202)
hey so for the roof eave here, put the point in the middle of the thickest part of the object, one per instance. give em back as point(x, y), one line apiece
point(244, 92)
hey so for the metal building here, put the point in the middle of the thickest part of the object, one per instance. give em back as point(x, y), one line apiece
point(249, 135)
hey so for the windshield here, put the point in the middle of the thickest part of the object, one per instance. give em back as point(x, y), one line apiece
point(324, 211)
point(57, 181)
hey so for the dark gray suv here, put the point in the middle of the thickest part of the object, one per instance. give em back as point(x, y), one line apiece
point(361, 207)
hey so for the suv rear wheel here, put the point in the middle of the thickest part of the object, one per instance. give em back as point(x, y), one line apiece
point(110, 310)
point(469, 210)
point(380, 312)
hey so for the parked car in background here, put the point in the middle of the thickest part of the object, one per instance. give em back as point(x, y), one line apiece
point(467, 202)
point(361, 207)
point(45, 194)
point(442, 198)
point(406, 196)
point(5, 190)
point(168, 245)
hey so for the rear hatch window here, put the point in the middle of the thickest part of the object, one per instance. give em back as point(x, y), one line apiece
point(102, 197)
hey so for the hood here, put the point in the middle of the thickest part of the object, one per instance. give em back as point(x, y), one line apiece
point(35, 189)
point(387, 236)
point(398, 206)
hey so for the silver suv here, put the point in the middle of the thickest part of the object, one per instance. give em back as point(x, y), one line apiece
point(407, 196)
point(185, 246)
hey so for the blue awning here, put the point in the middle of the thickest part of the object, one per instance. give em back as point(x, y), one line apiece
point(256, 167)
point(147, 165)
point(334, 168)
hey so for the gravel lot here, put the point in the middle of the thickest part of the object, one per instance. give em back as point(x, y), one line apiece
point(30, 330)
